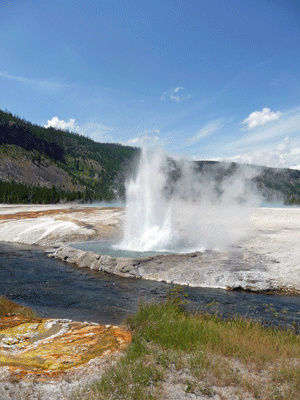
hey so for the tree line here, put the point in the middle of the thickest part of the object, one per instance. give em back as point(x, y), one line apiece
point(18, 193)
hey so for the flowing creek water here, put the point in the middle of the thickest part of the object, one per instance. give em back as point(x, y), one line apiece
point(54, 289)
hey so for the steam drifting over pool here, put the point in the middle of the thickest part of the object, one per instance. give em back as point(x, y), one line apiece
point(175, 206)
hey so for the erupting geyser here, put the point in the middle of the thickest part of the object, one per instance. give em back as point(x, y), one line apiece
point(172, 206)
point(149, 222)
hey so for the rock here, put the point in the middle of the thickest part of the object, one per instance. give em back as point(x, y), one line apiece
point(108, 264)
point(95, 264)
point(127, 267)
point(87, 259)
point(231, 269)
point(69, 254)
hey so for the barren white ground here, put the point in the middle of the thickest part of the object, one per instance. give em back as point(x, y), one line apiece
point(276, 236)
point(274, 240)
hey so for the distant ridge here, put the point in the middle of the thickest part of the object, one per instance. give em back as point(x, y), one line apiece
point(47, 165)
point(274, 184)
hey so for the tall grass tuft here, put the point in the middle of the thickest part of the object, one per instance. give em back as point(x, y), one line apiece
point(170, 326)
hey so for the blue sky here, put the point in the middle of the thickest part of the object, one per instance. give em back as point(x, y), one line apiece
point(207, 78)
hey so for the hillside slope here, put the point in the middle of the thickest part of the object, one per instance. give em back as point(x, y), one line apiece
point(36, 159)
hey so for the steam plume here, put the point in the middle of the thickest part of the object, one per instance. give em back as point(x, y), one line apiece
point(180, 206)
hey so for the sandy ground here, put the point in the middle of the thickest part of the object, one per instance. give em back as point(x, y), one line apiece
point(269, 257)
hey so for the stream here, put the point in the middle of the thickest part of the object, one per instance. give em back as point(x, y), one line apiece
point(54, 289)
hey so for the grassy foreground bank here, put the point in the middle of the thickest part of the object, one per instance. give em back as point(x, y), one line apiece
point(174, 354)
point(9, 308)
point(201, 354)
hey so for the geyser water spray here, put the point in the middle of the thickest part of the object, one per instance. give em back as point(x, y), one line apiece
point(174, 206)
point(148, 219)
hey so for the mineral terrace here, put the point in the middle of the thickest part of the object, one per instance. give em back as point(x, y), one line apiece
point(267, 259)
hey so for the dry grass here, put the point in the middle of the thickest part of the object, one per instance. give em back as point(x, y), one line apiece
point(9, 309)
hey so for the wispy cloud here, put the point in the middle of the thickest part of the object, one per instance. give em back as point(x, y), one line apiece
point(176, 90)
point(275, 145)
point(148, 136)
point(283, 155)
point(46, 84)
point(97, 131)
point(175, 95)
point(288, 124)
point(205, 131)
point(141, 141)
point(261, 118)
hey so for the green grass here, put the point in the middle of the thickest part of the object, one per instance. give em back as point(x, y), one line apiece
point(170, 326)
point(235, 353)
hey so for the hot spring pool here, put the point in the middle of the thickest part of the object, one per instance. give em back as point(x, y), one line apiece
point(106, 247)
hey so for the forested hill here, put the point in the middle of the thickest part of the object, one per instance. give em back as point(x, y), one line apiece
point(43, 165)
point(46, 165)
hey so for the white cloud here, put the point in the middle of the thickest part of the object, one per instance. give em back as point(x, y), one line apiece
point(61, 124)
point(134, 142)
point(283, 155)
point(176, 90)
point(275, 145)
point(176, 98)
point(173, 94)
point(141, 141)
point(95, 131)
point(265, 136)
point(261, 118)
